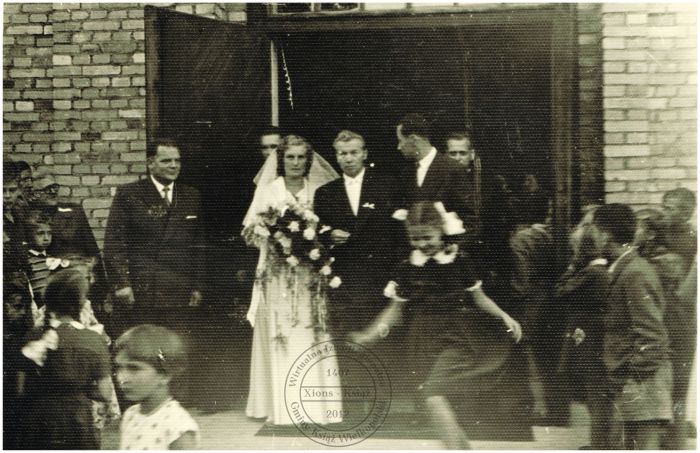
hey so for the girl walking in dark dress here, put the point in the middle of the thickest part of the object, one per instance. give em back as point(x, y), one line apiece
point(69, 366)
point(454, 329)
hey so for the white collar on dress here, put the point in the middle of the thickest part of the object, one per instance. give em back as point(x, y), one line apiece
point(445, 256)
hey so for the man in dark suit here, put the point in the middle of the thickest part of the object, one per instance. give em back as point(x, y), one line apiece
point(357, 208)
point(154, 242)
point(432, 175)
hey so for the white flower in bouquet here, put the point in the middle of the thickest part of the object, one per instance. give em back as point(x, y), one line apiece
point(326, 270)
point(260, 230)
point(323, 229)
point(309, 216)
point(335, 282)
point(309, 234)
point(293, 226)
point(292, 261)
point(278, 234)
point(285, 242)
point(315, 254)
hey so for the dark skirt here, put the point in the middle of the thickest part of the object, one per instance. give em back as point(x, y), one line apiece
point(58, 422)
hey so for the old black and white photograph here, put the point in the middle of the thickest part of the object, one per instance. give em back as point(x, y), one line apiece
point(369, 226)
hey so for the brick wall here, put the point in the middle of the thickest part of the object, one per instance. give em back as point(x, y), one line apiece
point(74, 93)
point(649, 99)
point(74, 97)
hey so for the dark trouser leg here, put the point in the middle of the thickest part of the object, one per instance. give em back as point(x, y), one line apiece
point(600, 407)
point(682, 361)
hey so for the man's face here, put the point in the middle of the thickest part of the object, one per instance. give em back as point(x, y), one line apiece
point(25, 182)
point(48, 195)
point(674, 212)
point(269, 144)
point(461, 151)
point(407, 145)
point(351, 156)
point(165, 165)
point(41, 237)
point(10, 192)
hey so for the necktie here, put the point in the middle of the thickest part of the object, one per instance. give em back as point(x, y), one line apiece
point(166, 200)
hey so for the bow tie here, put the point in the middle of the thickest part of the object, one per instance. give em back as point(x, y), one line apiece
point(53, 263)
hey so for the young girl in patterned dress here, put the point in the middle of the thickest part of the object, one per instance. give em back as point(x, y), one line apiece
point(457, 336)
point(147, 358)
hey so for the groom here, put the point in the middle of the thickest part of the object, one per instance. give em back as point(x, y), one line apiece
point(357, 208)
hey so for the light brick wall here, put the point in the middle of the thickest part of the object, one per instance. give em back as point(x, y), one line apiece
point(74, 97)
point(74, 93)
point(649, 100)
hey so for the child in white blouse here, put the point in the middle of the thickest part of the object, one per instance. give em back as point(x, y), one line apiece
point(147, 358)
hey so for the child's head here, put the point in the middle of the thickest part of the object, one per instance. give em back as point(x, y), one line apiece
point(147, 357)
point(617, 222)
point(65, 293)
point(38, 228)
point(650, 229)
point(424, 225)
point(678, 206)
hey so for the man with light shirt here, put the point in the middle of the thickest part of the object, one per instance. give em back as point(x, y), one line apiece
point(357, 208)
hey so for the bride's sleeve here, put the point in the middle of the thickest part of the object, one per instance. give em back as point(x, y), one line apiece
point(259, 204)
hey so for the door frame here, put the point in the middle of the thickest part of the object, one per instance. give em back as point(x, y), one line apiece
point(561, 18)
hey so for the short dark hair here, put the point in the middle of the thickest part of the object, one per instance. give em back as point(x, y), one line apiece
point(22, 166)
point(685, 196)
point(10, 171)
point(294, 140)
point(158, 346)
point(618, 220)
point(270, 130)
point(152, 147)
point(459, 136)
point(65, 292)
point(415, 124)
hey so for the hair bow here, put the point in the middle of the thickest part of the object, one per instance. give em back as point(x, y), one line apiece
point(451, 224)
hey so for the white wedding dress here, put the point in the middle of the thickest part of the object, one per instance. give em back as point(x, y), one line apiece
point(271, 316)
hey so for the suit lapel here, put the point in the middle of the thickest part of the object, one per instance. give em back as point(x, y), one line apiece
point(432, 177)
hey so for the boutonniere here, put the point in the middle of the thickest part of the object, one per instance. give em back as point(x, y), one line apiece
point(368, 205)
point(157, 211)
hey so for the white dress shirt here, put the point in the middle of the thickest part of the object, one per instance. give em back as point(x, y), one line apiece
point(160, 186)
point(353, 187)
point(424, 165)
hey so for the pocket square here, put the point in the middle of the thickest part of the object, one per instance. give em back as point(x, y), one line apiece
point(65, 209)
point(190, 217)
point(368, 205)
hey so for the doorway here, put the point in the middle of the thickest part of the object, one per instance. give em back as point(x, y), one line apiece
point(492, 80)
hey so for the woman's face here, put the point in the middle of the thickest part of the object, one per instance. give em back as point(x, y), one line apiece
point(426, 238)
point(295, 158)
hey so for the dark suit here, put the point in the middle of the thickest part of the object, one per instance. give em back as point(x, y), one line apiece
point(156, 251)
point(445, 181)
point(362, 262)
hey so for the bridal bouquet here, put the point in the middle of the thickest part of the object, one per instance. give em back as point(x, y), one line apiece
point(290, 234)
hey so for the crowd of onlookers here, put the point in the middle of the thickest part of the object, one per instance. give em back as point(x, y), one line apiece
point(617, 328)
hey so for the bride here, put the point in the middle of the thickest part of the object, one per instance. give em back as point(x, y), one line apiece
point(281, 334)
